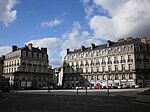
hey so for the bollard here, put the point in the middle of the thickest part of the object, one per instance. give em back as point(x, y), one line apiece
point(77, 91)
point(49, 90)
point(108, 90)
point(86, 90)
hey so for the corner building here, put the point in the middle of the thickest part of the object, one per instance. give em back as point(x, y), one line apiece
point(26, 67)
point(125, 63)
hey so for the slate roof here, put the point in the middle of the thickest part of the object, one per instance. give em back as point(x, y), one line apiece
point(34, 49)
point(114, 44)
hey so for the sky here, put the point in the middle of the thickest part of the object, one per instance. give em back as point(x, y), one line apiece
point(61, 24)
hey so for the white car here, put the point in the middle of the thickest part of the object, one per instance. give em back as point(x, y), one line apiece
point(137, 86)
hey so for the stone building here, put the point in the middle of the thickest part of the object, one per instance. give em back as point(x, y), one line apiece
point(1, 65)
point(123, 63)
point(27, 67)
point(57, 76)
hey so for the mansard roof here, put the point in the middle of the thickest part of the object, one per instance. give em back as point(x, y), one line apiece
point(34, 49)
point(104, 46)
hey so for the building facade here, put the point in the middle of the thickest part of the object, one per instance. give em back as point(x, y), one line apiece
point(58, 76)
point(26, 67)
point(125, 63)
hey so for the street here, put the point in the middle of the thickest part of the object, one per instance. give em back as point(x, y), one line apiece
point(50, 102)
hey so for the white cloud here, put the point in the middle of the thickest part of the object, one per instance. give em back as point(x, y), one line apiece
point(103, 27)
point(51, 43)
point(4, 50)
point(51, 23)
point(7, 13)
point(72, 39)
point(89, 9)
point(126, 18)
point(75, 38)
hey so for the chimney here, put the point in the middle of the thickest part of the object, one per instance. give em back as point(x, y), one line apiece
point(68, 51)
point(82, 48)
point(121, 40)
point(44, 50)
point(92, 46)
point(148, 41)
point(143, 40)
point(129, 39)
point(14, 48)
point(30, 46)
point(109, 43)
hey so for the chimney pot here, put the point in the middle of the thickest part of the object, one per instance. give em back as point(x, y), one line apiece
point(14, 48)
point(82, 48)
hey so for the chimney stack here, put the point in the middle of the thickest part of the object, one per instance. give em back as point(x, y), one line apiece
point(14, 48)
point(129, 39)
point(82, 48)
point(30, 46)
point(143, 40)
point(68, 51)
point(120, 40)
point(92, 46)
point(109, 43)
point(44, 50)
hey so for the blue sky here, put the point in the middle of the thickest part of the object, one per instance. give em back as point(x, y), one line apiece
point(62, 24)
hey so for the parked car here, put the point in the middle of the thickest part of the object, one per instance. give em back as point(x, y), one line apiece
point(98, 87)
point(44, 87)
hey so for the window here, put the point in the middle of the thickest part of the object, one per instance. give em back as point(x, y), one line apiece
point(86, 70)
point(103, 69)
point(116, 60)
point(116, 68)
point(123, 76)
point(24, 53)
point(109, 68)
point(97, 62)
point(92, 77)
point(122, 59)
point(109, 51)
point(109, 60)
point(115, 50)
point(30, 54)
point(103, 61)
point(123, 67)
point(97, 69)
point(91, 70)
point(130, 67)
point(130, 58)
point(97, 53)
point(116, 77)
point(130, 76)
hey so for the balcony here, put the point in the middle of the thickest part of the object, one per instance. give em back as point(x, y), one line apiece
point(87, 65)
point(109, 62)
point(116, 62)
point(103, 63)
point(92, 64)
point(97, 63)
point(122, 61)
point(130, 60)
